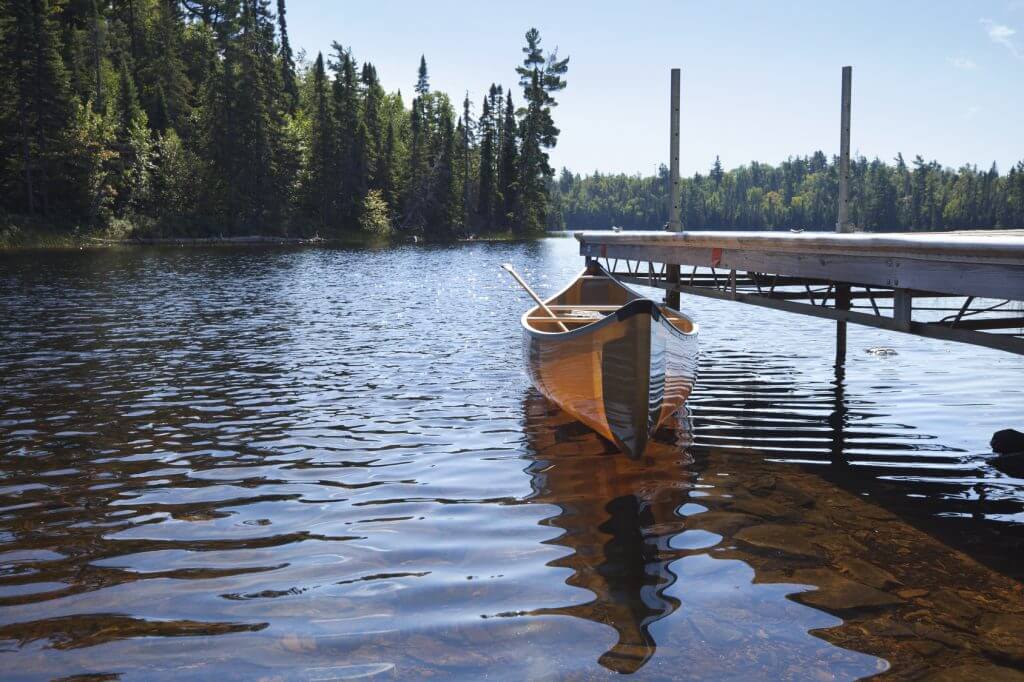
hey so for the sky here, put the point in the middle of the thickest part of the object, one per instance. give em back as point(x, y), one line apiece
point(760, 80)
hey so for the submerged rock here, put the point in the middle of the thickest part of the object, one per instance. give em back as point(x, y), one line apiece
point(867, 573)
point(836, 593)
point(787, 540)
point(1007, 442)
point(1009, 445)
point(977, 672)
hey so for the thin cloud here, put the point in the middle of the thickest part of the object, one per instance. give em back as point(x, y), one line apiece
point(962, 63)
point(971, 112)
point(1002, 35)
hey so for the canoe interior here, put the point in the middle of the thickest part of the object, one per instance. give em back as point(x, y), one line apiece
point(591, 296)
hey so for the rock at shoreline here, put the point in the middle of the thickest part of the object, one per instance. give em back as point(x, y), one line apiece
point(1008, 442)
point(1009, 445)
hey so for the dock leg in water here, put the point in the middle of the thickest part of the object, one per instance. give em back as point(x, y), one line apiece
point(842, 303)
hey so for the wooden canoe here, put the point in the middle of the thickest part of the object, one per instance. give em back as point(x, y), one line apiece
point(625, 365)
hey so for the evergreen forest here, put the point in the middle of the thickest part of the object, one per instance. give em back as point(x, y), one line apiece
point(197, 118)
point(194, 118)
point(798, 194)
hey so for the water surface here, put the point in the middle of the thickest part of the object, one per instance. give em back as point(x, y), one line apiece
point(328, 464)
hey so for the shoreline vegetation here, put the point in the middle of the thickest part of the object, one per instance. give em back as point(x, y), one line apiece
point(800, 193)
point(33, 235)
point(186, 120)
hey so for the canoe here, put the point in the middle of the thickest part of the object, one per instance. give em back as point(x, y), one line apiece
point(625, 365)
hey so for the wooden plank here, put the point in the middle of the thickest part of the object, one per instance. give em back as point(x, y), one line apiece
point(1001, 246)
point(991, 323)
point(1001, 281)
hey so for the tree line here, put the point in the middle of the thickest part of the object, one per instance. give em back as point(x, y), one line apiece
point(800, 193)
point(196, 118)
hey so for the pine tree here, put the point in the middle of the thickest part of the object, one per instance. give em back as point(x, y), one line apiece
point(466, 136)
point(485, 203)
point(322, 146)
point(37, 111)
point(351, 178)
point(128, 109)
point(290, 87)
point(540, 77)
point(373, 115)
point(443, 195)
point(422, 82)
point(716, 172)
point(508, 181)
point(97, 44)
point(164, 85)
point(387, 170)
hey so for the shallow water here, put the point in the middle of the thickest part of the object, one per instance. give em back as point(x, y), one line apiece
point(328, 464)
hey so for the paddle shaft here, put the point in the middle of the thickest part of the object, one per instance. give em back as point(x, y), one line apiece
point(534, 296)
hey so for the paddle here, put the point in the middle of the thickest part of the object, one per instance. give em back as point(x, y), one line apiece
point(508, 267)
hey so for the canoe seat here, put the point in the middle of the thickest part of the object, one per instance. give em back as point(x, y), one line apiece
point(602, 308)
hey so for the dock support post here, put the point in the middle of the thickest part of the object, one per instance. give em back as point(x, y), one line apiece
point(674, 223)
point(842, 303)
point(843, 224)
point(902, 308)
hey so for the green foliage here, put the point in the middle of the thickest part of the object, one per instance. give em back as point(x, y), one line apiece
point(37, 111)
point(196, 118)
point(178, 172)
point(374, 216)
point(540, 76)
point(800, 193)
point(93, 164)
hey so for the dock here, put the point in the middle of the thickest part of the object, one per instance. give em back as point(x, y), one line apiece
point(963, 286)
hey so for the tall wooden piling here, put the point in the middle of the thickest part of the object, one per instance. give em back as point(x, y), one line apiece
point(674, 223)
point(843, 223)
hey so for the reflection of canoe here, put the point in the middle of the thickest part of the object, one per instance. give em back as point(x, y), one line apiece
point(617, 517)
point(624, 366)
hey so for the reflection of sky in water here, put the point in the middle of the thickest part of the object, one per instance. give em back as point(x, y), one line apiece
point(328, 461)
point(724, 609)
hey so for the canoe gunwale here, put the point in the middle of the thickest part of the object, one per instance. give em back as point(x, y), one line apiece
point(639, 305)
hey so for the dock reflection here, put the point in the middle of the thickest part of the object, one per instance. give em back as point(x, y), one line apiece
point(750, 404)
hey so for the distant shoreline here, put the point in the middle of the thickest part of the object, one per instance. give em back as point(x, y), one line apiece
point(34, 236)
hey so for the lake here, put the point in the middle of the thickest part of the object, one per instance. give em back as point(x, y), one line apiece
point(313, 464)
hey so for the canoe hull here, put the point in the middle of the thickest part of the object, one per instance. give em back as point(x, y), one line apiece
point(624, 375)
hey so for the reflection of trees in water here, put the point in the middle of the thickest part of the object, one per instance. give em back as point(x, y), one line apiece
point(618, 516)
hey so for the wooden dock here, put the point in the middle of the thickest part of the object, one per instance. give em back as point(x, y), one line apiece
point(963, 286)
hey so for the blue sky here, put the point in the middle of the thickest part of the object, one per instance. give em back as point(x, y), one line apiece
point(760, 79)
